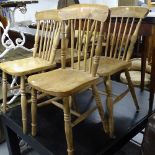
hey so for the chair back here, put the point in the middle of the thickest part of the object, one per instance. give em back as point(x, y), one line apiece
point(86, 24)
point(47, 36)
point(122, 31)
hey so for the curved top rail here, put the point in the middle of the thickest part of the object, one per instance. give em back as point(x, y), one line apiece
point(47, 15)
point(87, 11)
point(129, 11)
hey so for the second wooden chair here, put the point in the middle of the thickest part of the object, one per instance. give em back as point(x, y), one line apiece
point(65, 82)
point(122, 32)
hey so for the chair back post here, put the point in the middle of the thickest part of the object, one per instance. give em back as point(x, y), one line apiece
point(133, 41)
point(36, 40)
point(56, 41)
point(86, 23)
point(98, 51)
point(63, 46)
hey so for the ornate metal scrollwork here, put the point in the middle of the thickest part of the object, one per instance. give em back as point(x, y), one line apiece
point(8, 43)
point(22, 9)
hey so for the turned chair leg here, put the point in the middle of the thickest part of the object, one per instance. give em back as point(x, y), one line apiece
point(34, 111)
point(109, 102)
point(4, 90)
point(131, 88)
point(23, 103)
point(100, 107)
point(68, 127)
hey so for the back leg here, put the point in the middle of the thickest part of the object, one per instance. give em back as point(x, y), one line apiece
point(131, 88)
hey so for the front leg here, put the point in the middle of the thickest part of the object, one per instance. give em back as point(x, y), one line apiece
point(4, 90)
point(23, 103)
point(68, 127)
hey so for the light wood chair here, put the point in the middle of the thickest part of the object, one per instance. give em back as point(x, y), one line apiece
point(65, 82)
point(46, 42)
point(123, 27)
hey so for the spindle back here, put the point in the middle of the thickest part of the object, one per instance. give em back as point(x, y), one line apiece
point(124, 24)
point(47, 36)
point(86, 25)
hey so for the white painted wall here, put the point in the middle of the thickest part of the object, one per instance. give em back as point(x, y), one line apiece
point(49, 4)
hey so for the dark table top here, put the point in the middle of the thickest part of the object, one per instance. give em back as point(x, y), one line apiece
point(89, 137)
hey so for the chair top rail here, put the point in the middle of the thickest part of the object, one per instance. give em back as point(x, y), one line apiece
point(85, 11)
point(129, 11)
point(47, 15)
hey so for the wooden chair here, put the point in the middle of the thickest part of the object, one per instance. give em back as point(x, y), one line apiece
point(65, 82)
point(46, 42)
point(123, 27)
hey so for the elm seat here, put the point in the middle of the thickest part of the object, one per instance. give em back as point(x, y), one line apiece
point(58, 83)
point(110, 66)
point(26, 66)
point(107, 67)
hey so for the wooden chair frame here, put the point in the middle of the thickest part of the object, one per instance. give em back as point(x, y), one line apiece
point(85, 74)
point(122, 32)
point(46, 43)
